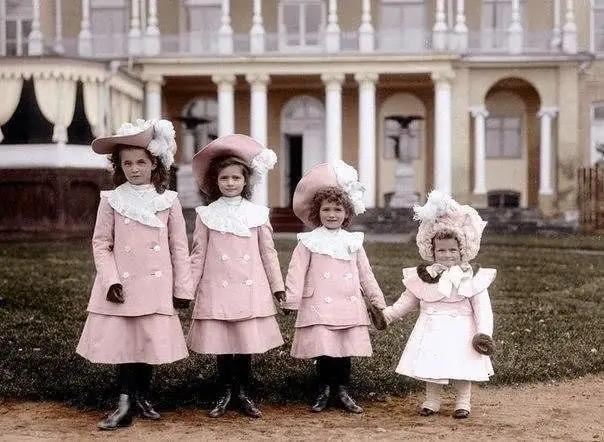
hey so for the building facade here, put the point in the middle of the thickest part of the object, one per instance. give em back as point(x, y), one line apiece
point(470, 96)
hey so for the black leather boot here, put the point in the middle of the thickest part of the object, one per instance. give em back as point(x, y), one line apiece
point(348, 402)
point(247, 405)
point(343, 369)
point(121, 417)
point(243, 374)
point(143, 375)
point(222, 402)
point(322, 398)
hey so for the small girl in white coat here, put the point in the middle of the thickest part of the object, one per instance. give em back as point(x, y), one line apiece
point(452, 336)
point(328, 278)
point(141, 256)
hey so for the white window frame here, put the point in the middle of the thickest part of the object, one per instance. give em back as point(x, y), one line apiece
point(595, 5)
point(303, 47)
point(404, 38)
point(496, 36)
point(120, 41)
point(500, 155)
point(594, 156)
point(19, 13)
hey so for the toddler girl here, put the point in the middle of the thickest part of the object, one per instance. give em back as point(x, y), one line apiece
point(328, 277)
point(234, 266)
point(452, 335)
point(141, 256)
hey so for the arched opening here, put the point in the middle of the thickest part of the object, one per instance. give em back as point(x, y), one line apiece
point(79, 131)
point(303, 141)
point(512, 139)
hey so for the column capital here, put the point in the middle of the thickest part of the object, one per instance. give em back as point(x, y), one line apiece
point(258, 78)
point(154, 83)
point(479, 110)
point(547, 111)
point(366, 77)
point(331, 78)
point(224, 79)
point(442, 76)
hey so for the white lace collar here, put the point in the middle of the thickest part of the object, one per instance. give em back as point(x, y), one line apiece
point(339, 244)
point(140, 203)
point(234, 215)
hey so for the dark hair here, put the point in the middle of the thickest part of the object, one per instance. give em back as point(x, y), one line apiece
point(445, 234)
point(216, 166)
point(159, 176)
point(332, 194)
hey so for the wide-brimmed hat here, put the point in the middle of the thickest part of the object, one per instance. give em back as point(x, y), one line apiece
point(440, 213)
point(157, 136)
point(337, 174)
point(255, 155)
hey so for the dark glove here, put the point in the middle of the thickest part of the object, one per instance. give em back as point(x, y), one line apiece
point(377, 317)
point(279, 296)
point(483, 344)
point(115, 294)
point(286, 311)
point(180, 303)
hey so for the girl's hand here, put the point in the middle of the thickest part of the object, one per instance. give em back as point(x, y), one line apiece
point(279, 296)
point(115, 294)
point(180, 303)
point(483, 344)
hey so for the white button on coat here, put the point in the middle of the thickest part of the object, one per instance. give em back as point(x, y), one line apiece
point(224, 257)
point(327, 299)
point(348, 275)
point(156, 248)
point(246, 257)
point(248, 282)
point(127, 249)
point(126, 275)
point(157, 273)
point(127, 221)
point(326, 275)
point(225, 284)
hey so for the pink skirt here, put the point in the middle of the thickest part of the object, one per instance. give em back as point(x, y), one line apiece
point(152, 339)
point(216, 337)
point(324, 340)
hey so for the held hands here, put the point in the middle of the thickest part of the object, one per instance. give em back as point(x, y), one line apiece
point(377, 317)
point(483, 344)
point(115, 294)
point(180, 303)
point(280, 298)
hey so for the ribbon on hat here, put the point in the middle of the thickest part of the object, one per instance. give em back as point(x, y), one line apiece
point(348, 180)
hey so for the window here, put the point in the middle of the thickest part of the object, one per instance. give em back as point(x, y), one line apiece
point(301, 23)
point(19, 16)
point(597, 26)
point(109, 26)
point(203, 25)
point(597, 131)
point(402, 144)
point(496, 19)
point(504, 137)
point(402, 24)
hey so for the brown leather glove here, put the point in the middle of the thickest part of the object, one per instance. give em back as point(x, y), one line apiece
point(180, 303)
point(483, 344)
point(279, 296)
point(377, 317)
point(115, 294)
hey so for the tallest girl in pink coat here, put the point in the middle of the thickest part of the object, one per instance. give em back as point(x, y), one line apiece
point(234, 266)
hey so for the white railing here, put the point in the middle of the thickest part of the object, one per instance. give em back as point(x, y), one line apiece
point(490, 41)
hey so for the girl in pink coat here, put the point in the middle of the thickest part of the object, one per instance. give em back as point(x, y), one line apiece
point(141, 256)
point(234, 266)
point(451, 339)
point(329, 275)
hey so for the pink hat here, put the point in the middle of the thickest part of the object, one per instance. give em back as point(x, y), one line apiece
point(257, 157)
point(338, 174)
point(441, 212)
point(157, 136)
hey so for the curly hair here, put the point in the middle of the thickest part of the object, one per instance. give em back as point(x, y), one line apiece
point(445, 234)
point(160, 176)
point(334, 195)
point(220, 163)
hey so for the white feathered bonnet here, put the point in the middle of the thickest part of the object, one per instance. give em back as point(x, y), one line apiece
point(441, 212)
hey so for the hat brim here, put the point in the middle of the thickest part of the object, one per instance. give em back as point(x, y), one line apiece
point(237, 145)
point(106, 145)
point(318, 177)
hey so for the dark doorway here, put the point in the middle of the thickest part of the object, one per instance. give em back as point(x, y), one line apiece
point(79, 132)
point(294, 146)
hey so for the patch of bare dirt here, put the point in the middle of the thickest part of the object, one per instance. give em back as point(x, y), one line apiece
point(570, 410)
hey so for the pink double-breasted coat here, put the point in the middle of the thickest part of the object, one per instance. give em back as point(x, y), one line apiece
point(235, 273)
point(151, 262)
point(439, 348)
point(328, 293)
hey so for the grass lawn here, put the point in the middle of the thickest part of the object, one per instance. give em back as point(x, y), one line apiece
point(547, 301)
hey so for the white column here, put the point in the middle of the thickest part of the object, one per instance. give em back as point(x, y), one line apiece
point(545, 150)
point(439, 31)
point(515, 31)
point(366, 31)
point(257, 32)
point(85, 36)
point(569, 36)
point(333, 117)
point(2, 27)
point(556, 41)
point(480, 114)
point(134, 35)
point(332, 33)
point(258, 129)
point(58, 43)
point(226, 103)
point(152, 34)
point(367, 148)
point(35, 44)
point(461, 29)
point(225, 33)
point(443, 160)
point(153, 98)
